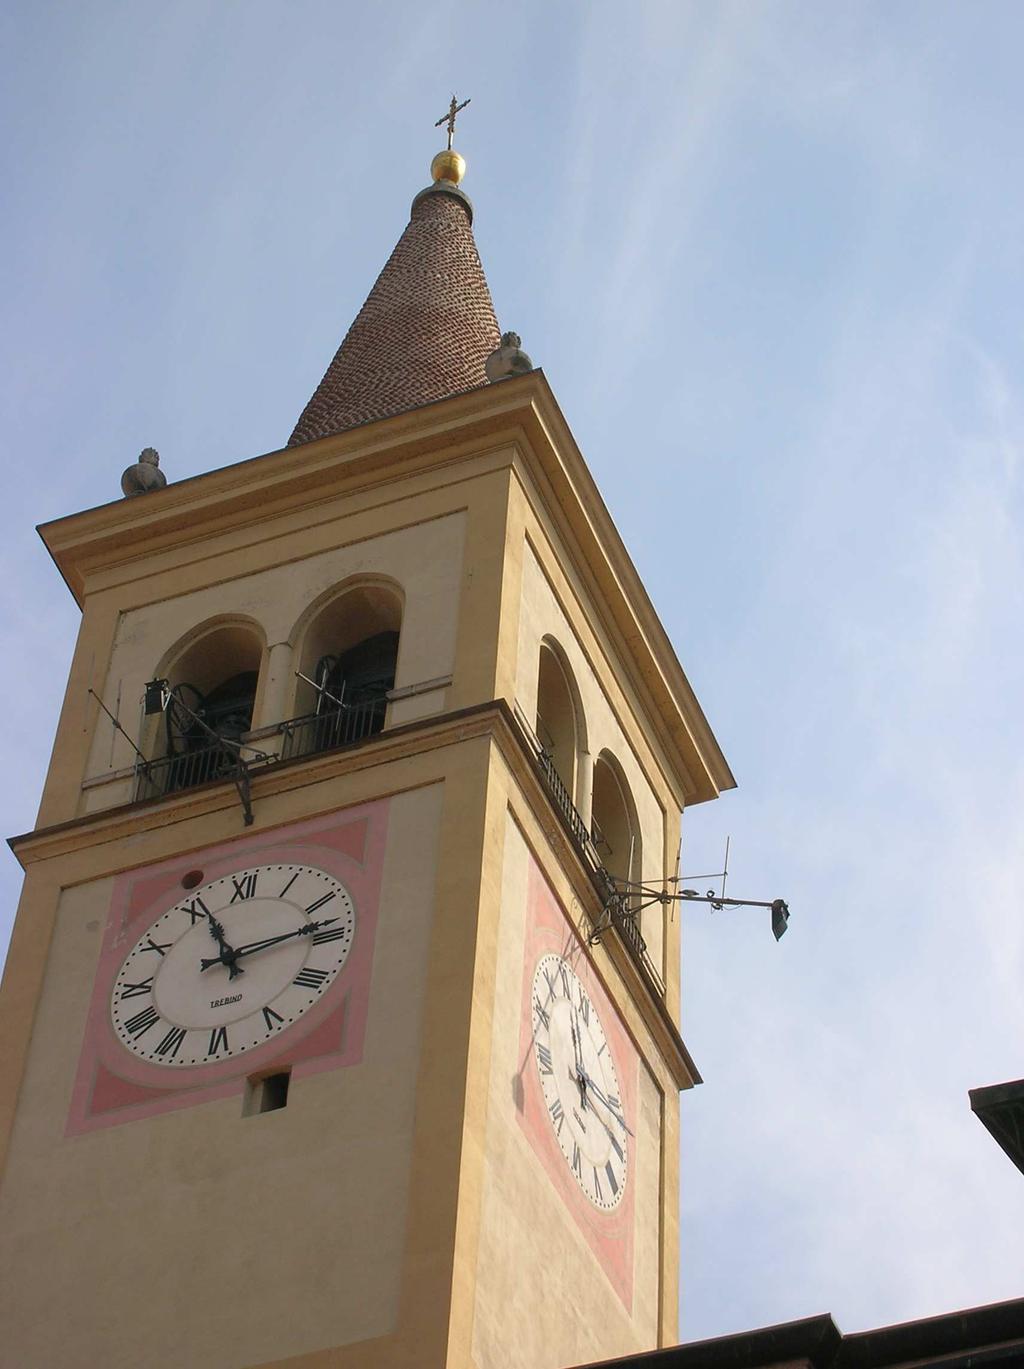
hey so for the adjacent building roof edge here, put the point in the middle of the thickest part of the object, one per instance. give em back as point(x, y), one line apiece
point(1000, 1109)
point(989, 1335)
point(811, 1342)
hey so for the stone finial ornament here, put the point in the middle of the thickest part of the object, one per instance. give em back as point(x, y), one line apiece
point(507, 360)
point(145, 476)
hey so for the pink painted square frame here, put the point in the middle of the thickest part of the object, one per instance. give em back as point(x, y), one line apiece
point(112, 1086)
point(610, 1235)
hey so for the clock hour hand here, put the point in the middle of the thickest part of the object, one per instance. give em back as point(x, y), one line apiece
point(253, 946)
point(605, 1102)
point(227, 954)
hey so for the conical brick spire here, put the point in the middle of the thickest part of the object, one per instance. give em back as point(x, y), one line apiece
point(425, 331)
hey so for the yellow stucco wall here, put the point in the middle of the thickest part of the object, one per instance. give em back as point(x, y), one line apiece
point(245, 1238)
point(409, 1168)
point(542, 1298)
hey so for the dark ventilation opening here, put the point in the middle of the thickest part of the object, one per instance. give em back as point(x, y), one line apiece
point(266, 1094)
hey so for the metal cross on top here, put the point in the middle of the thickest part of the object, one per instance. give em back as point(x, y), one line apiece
point(449, 119)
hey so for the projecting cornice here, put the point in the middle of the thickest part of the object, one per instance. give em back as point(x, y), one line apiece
point(119, 541)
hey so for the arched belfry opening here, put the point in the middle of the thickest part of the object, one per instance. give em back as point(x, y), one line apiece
point(614, 827)
point(211, 686)
point(348, 659)
point(558, 726)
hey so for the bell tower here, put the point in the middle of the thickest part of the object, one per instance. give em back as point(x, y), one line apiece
point(332, 1032)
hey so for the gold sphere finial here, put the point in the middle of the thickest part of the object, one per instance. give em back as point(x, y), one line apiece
point(448, 166)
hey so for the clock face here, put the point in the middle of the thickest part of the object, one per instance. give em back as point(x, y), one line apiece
point(579, 1083)
point(232, 964)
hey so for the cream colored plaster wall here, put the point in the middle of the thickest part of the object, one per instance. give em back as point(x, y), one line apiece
point(542, 1300)
point(256, 1238)
point(424, 561)
point(541, 615)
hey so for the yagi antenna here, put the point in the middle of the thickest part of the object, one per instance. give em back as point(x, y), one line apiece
point(722, 874)
point(641, 894)
point(156, 698)
point(779, 907)
point(117, 726)
point(322, 692)
point(674, 879)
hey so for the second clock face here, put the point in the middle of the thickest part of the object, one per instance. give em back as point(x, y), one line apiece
point(232, 964)
point(579, 1083)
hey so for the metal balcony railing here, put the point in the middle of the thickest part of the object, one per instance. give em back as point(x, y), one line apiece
point(323, 731)
point(221, 760)
point(156, 778)
point(567, 810)
point(614, 900)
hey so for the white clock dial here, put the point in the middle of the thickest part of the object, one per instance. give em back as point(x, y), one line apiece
point(232, 964)
point(579, 1083)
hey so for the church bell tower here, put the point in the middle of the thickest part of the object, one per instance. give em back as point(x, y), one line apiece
point(332, 1032)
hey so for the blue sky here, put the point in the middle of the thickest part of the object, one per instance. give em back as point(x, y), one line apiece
point(770, 258)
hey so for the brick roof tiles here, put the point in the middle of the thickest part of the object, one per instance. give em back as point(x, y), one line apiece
point(424, 332)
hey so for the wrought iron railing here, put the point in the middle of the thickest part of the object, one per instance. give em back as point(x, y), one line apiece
point(221, 760)
point(323, 731)
point(567, 810)
point(614, 900)
point(171, 773)
point(340, 727)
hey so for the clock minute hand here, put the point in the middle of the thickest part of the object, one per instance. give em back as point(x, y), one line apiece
point(577, 1052)
point(614, 1138)
point(253, 946)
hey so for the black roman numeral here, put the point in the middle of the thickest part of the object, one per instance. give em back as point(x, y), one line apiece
point(584, 1008)
point(325, 898)
point(137, 990)
point(141, 1022)
point(615, 1146)
point(577, 1160)
point(218, 1040)
point(557, 1115)
point(329, 934)
point(289, 884)
point(544, 1059)
point(310, 979)
point(191, 907)
point(270, 1017)
point(244, 887)
point(564, 976)
point(611, 1174)
point(597, 1187)
point(171, 1042)
point(539, 1010)
point(157, 946)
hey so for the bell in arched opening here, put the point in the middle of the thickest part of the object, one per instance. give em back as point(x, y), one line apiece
point(204, 730)
point(352, 689)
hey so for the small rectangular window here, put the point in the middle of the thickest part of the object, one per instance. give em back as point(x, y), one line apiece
point(266, 1093)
